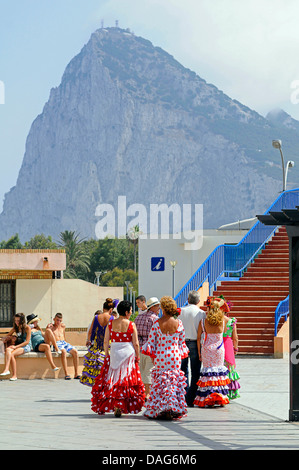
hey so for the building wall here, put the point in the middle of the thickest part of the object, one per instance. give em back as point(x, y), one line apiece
point(77, 300)
point(32, 260)
point(157, 284)
point(24, 274)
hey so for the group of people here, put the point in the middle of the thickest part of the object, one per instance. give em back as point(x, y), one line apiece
point(145, 362)
point(26, 335)
point(130, 365)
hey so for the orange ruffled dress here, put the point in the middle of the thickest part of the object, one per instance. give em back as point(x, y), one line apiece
point(119, 383)
point(213, 382)
point(168, 381)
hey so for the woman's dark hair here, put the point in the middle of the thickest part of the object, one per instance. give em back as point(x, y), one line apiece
point(22, 325)
point(108, 304)
point(123, 307)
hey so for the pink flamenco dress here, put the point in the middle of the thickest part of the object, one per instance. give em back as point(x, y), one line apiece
point(229, 360)
point(168, 382)
point(119, 385)
point(213, 381)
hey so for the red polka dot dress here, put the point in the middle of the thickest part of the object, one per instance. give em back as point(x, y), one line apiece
point(168, 382)
point(119, 383)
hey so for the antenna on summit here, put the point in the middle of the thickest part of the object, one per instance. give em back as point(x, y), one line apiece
point(116, 23)
point(102, 24)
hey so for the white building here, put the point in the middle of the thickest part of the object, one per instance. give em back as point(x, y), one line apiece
point(156, 276)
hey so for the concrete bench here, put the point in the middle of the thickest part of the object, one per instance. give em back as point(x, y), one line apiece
point(34, 365)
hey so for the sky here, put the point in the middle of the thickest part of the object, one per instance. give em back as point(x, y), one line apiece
point(246, 48)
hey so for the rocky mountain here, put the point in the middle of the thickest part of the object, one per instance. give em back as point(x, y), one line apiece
point(129, 120)
point(279, 118)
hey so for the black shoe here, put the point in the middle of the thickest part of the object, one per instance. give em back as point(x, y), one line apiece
point(117, 412)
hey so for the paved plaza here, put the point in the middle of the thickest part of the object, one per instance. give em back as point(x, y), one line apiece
point(56, 415)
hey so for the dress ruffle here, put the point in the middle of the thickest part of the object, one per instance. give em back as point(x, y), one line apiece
point(234, 385)
point(167, 394)
point(213, 387)
point(212, 399)
point(230, 362)
point(127, 394)
point(93, 362)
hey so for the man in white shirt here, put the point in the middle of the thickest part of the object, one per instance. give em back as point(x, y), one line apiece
point(191, 317)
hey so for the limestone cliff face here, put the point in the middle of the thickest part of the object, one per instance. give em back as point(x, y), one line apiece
point(127, 119)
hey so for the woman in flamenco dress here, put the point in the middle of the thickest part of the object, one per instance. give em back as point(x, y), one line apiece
point(166, 345)
point(118, 388)
point(94, 359)
point(230, 339)
point(213, 382)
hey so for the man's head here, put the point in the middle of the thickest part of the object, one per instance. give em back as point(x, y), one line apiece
point(58, 319)
point(153, 305)
point(141, 302)
point(193, 297)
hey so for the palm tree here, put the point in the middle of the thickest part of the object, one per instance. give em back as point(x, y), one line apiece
point(77, 260)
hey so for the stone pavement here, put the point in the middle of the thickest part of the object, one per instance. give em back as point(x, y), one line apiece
point(55, 415)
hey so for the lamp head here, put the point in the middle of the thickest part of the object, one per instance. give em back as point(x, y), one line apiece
point(276, 144)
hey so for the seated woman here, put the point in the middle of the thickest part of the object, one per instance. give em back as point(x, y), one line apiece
point(22, 346)
point(41, 341)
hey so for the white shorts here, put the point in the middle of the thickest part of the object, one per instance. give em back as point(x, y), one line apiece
point(64, 345)
point(145, 366)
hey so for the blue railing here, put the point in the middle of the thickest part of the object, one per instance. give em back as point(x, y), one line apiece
point(282, 310)
point(227, 260)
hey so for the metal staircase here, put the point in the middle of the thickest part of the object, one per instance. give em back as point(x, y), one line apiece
point(258, 261)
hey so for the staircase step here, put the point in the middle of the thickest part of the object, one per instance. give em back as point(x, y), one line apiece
point(270, 259)
point(266, 275)
point(268, 269)
point(255, 296)
point(277, 250)
point(274, 255)
point(256, 350)
point(245, 283)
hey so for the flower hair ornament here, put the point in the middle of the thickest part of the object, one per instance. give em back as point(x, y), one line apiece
point(222, 304)
point(177, 313)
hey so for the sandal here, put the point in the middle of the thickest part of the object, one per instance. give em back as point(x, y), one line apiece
point(67, 377)
point(77, 377)
point(117, 412)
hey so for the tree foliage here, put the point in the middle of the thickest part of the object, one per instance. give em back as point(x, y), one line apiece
point(117, 258)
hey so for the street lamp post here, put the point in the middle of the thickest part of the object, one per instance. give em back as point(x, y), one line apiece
point(290, 164)
point(173, 265)
point(127, 283)
point(98, 275)
point(131, 293)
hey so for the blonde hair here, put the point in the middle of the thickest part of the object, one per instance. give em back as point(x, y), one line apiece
point(214, 315)
point(169, 305)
